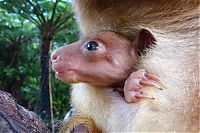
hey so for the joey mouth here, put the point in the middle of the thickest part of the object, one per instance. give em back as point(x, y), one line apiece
point(65, 72)
point(68, 75)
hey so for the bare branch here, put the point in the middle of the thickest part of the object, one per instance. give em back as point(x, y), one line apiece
point(26, 39)
point(57, 19)
point(62, 28)
point(37, 12)
point(60, 23)
point(54, 10)
point(31, 19)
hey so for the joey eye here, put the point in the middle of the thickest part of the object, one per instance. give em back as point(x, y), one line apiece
point(91, 46)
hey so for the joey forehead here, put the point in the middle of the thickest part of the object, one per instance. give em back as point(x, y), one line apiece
point(109, 37)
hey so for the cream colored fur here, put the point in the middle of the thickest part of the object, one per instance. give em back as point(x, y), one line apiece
point(175, 59)
point(174, 109)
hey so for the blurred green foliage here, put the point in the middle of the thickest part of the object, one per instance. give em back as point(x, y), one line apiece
point(20, 57)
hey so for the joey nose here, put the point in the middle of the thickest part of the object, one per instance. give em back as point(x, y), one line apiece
point(55, 57)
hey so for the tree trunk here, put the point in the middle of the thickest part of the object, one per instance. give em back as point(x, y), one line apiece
point(16, 119)
point(44, 82)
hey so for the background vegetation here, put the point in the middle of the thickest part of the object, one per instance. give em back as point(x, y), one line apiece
point(29, 31)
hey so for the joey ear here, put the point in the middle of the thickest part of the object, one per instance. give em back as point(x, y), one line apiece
point(144, 39)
